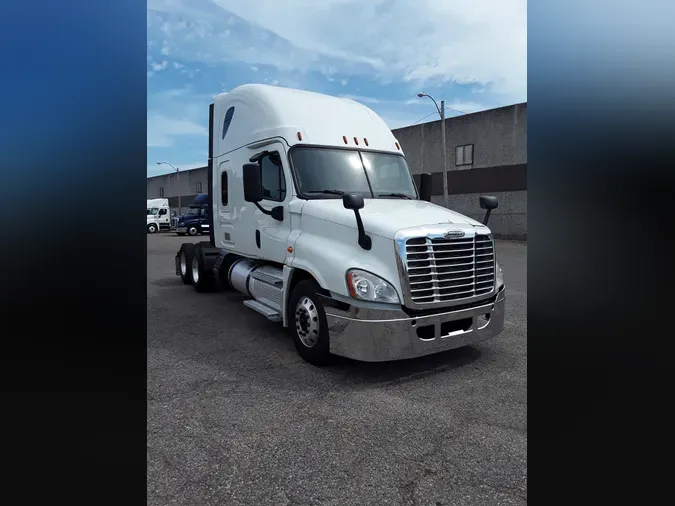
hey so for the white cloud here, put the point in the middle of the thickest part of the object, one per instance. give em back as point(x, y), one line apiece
point(156, 67)
point(163, 130)
point(464, 41)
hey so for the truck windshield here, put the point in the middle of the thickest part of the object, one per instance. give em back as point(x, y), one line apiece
point(327, 173)
point(193, 211)
point(153, 210)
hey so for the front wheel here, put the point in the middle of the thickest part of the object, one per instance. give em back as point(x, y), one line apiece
point(192, 230)
point(308, 323)
point(152, 228)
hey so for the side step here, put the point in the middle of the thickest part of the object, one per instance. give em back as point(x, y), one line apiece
point(271, 314)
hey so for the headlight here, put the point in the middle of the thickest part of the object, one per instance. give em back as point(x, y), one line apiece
point(363, 285)
point(500, 276)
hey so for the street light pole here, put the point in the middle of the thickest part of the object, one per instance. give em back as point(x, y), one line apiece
point(441, 113)
point(445, 156)
point(177, 181)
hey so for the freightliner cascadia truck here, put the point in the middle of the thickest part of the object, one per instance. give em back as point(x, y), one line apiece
point(316, 219)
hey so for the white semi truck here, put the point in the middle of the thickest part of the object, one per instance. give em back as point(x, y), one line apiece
point(157, 215)
point(317, 220)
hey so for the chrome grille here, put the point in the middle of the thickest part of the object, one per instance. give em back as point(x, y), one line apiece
point(444, 270)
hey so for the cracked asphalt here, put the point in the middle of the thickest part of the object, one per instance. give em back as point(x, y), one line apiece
point(235, 416)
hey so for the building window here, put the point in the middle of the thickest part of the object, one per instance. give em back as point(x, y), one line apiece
point(223, 188)
point(199, 186)
point(227, 121)
point(161, 191)
point(464, 155)
point(274, 184)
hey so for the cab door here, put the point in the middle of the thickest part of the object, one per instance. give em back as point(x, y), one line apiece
point(271, 236)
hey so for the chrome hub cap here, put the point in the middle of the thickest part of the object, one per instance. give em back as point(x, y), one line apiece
point(307, 322)
point(183, 263)
point(195, 269)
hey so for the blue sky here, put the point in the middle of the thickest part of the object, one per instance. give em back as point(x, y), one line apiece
point(471, 53)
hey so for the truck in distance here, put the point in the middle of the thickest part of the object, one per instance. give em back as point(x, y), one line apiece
point(157, 215)
point(196, 220)
point(317, 220)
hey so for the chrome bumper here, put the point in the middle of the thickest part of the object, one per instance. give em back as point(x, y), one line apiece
point(373, 335)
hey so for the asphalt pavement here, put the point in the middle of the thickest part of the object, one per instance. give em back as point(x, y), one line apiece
point(235, 416)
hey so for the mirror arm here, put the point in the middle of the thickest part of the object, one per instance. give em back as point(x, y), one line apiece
point(263, 210)
point(276, 212)
point(487, 216)
point(364, 240)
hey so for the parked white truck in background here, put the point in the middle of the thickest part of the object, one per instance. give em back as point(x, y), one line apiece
point(318, 221)
point(158, 217)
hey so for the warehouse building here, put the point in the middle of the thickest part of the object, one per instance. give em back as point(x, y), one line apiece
point(486, 155)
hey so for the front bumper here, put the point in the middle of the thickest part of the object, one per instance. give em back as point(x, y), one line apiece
point(374, 335)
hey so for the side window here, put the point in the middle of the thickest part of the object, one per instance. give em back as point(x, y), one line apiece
point(162, 212)
point(272, 174)
point(227, 121)
point(464, 155)
point(223, 188)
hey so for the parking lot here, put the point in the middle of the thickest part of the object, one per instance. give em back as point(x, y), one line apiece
point(235, 416)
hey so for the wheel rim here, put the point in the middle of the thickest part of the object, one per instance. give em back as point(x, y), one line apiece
point(183, 263)
point(307, 322)
point(195, 269)
point(152, 229)
point(192, 231)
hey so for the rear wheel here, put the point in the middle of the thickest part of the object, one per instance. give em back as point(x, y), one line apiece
point(185, 262)
point(202, 280)
point(308, 324)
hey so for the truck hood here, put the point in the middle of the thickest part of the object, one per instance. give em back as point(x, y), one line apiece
point(384, 217)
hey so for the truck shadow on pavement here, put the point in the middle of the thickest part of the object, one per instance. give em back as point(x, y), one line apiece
point(227, 340)
point(391, 372)
point(403, 371)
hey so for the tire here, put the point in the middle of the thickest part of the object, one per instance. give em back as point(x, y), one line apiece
point(186, 253)
point(192, 230)
point(202, 279)
point(308, 323)
point(152, 228)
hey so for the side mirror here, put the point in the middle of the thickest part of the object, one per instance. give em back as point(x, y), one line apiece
point(425, 187)
point(353, 201)
point(488, 203)
point(253, 189)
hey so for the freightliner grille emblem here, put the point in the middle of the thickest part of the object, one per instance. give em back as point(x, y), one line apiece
point(452, 234)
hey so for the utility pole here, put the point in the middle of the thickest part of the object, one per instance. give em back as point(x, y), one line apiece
point(441, 113)
point(177, 182)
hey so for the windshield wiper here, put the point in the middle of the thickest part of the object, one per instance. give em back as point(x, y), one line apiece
point(399, 195)
point(328, 192)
